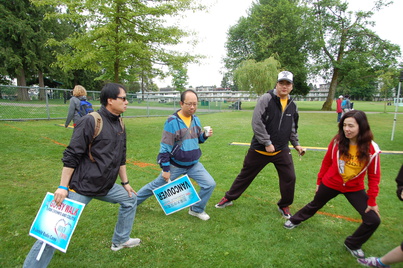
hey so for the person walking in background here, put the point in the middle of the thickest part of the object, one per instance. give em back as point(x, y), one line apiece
point(339, 110)
point(180, 152)
point(86, 177)
point(346, 104)
point(79, 93)
point(396, 254)
point(275, 124)
point(351, 155)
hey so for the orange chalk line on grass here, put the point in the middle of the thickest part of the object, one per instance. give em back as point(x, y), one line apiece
point(339, 216)
point(17, 128)
point(133, 162)
point(313, 148)
point(55, 142)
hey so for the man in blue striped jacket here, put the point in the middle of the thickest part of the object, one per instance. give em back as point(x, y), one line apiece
point(180, 152)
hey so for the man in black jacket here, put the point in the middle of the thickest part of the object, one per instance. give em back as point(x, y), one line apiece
point(90, 172)
point(274, 123)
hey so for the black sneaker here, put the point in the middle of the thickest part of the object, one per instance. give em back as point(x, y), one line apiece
point(358, 253)
point(285, 212)
point(224, 202)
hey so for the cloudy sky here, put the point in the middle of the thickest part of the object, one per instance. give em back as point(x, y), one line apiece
point(212, 27)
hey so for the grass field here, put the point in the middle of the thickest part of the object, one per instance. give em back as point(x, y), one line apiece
point(248, 234)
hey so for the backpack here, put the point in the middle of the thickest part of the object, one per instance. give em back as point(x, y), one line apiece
point(85, 108)
point(98, 127)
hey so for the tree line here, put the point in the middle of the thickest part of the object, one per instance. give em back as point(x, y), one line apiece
point(91, 42)
point(314, 38)
point(53, 42)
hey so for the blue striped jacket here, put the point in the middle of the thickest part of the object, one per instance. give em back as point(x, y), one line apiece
point(188, 153)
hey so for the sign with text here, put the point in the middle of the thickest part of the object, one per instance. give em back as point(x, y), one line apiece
point(55, 225)
point(176, 195)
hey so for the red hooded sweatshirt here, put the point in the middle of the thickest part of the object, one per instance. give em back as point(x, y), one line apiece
point(330, 176)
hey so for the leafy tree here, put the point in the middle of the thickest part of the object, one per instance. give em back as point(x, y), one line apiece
point(273, 27)
point(20, 38)
point(23, 47)
point(124, 40)
point(257, 77)
point(347, 51)
point(179, 79)
point(388, 80)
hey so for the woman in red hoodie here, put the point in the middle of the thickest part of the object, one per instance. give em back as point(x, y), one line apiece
point(351, 154)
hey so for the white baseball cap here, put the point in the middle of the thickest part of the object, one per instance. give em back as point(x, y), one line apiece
point(285, 75)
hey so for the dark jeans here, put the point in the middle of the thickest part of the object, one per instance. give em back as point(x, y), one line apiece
point(254, 162)
point(370, 220)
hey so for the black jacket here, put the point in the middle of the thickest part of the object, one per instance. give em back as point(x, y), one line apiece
point(108, 150)
point(273, 126)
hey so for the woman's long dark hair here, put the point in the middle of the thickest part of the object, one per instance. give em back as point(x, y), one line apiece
point(364, 136)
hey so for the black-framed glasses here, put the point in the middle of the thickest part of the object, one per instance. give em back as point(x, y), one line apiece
point(122, 98)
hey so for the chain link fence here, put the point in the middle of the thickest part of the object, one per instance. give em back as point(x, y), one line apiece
point(35, 103)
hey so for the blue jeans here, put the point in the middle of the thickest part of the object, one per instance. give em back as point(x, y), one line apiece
point(123, 228)
point(196, 172)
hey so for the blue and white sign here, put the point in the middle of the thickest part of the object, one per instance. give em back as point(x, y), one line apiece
point(176, 195)
point(54, 224)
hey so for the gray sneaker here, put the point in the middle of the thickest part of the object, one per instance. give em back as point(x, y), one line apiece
point(289, 225)
point(202, 215)
point(358, 253)
point(132, 242)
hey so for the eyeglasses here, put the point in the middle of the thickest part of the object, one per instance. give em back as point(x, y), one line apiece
point(122, 98)
point(190, 104)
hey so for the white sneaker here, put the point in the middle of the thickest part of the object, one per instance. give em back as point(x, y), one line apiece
point(132, 242)
point(203, 215)
point(358, 253)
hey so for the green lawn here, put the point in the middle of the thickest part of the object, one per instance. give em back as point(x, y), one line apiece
point(248, 234)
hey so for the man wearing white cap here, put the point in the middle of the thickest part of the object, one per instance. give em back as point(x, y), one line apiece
point(339, 110)
point(275, 124)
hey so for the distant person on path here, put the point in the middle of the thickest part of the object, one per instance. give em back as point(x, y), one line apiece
point(180, 152)
point(275, 124)
point(84, 179)
point(339, 110)
point(79, 93)
point(396, 254)
point(346, 104)
point(351, 155)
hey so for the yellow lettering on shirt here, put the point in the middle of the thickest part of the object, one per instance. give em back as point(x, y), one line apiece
point(352, 166)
